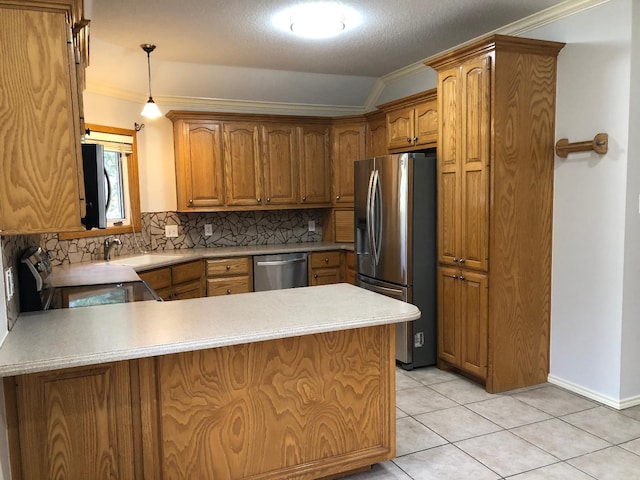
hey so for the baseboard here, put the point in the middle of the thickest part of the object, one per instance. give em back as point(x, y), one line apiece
point(618, 404)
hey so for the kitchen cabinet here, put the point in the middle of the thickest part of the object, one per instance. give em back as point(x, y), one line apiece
point(412, 123)
point(348, 146)
point(199, 164)
point(41, 161)
point(177, 282)
point(315, 164)
point(343, 225)
point(250, 162)
point(350, 267)
point(462, 320)
point(226, 276)
point(376, 144)
point(242, 170)
point(75, 423)
point(325, 268)
point(496, 108)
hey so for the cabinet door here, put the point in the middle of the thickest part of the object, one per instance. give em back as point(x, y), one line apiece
point(201, 167)
point(425, 131)
point(40, 154)
point(76, 423)
point(376, 137)
point(324, 276)
point(474, 296)
point(448, 316)
point(315, 166)
point(242, 164)
point(449, 106)
point(279, 151)
point(400, 128)
point(474, 238)
point(348, 146)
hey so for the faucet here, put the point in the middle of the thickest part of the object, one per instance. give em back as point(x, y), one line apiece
point(109, 242)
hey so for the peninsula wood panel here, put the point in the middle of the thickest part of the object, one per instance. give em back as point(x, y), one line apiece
point(40, 160)
point(76, 424)
point(297, 408)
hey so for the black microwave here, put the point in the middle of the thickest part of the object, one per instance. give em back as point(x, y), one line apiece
point(96, 186)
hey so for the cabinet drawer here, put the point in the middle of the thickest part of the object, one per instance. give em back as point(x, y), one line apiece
point(325, 259)
point(228, 285)
point(324, 276)
point(157, 279)
point(186, 272)
point(187, 290)
point(228, 266)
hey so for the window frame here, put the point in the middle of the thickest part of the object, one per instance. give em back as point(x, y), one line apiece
point(134, 191)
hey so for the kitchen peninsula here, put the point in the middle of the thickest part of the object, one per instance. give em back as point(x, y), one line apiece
point(294, 384)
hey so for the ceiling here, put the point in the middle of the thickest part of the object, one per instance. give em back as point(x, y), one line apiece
point(238, 33)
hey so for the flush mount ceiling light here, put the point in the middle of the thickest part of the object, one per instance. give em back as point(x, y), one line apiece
point(150, 109)
point(317, 19)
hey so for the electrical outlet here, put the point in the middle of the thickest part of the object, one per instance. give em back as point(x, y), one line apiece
point(312, 226)
point(171, 231)
point(8, 283)
point(208, 229)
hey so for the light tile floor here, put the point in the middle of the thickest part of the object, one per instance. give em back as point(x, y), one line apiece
point(449, 428)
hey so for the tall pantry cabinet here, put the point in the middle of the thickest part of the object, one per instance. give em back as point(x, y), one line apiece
point(496, 103)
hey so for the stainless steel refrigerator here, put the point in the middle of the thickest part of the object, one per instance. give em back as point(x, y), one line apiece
point(395, 243)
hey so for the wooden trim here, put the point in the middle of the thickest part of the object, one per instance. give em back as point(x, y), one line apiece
point(411, 100)
point(191, 116)
point(134, 191)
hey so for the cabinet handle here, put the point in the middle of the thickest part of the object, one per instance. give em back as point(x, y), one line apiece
point(415, 139)
point(191, 201)
point(228, 267)
point(408, 140)
point(455, 277)
point(315, 275)
point(461, 277)
point(455, 260)
point(337, 197)
point(462, 260)
point(259, 199)
point(268, 199)
point(304, 199)
point(326, 260)
point(228, 291)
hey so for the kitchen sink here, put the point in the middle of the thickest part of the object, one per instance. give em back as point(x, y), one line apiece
point(142, 260)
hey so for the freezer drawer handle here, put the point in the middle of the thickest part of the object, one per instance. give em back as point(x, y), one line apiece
point(273, 263)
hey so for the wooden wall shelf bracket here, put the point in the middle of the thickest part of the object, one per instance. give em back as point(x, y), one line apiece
point(599, 145)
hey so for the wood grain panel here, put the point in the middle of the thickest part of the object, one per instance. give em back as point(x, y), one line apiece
point(400, 128)
point(473, 323)
point(242, 164)
point(448, 316)
point(376, 137)
point(39, 132)
point(228, 285)
point(76, 423)
point(519, 305)
point(296, 408)
point(348, 146)
point(204, 165)
point(426, 123)
point(186, 272)
point(449, 105)
point(158, 278)
point(325, 259)
point(228, 266)
point(315, 164)
point(279, 165)
point(344, 226)
point(448, 216)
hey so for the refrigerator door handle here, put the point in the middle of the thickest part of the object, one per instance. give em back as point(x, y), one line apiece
point(377, 215)
point(370, 239)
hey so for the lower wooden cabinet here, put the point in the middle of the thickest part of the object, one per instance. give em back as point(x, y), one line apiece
point(325, 268)
point(177, 282)
point(226, 276)
point(350, 267)
point(462, 320)
point(304, 407)
point(74, 424)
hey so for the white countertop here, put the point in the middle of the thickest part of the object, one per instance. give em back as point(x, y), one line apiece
point(42, 341)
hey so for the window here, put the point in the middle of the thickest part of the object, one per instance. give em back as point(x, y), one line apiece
point(121, 165)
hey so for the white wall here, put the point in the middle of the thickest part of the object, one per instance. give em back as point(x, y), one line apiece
point(630, 377)
point(590, 199)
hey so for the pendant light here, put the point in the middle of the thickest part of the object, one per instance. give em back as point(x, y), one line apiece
point(150, 109)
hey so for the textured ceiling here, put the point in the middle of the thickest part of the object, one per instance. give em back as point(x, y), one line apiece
point(392, 33)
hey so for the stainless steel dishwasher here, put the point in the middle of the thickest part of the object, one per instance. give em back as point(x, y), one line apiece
point(285, 270)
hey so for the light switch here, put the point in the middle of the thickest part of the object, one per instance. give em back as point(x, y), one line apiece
point(171, 231)
point(208, 229)
point(8, 283)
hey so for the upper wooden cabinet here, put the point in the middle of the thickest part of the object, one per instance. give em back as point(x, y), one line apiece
point(412, 122)
point(40, 162)
point(376, 135)
point(496, 107)
point(315, 164)
point(249, 162)
point(348, 146)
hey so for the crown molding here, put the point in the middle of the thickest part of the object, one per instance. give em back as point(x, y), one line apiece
point(544, 17)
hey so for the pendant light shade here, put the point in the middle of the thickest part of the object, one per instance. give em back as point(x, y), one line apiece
point(150, 109)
